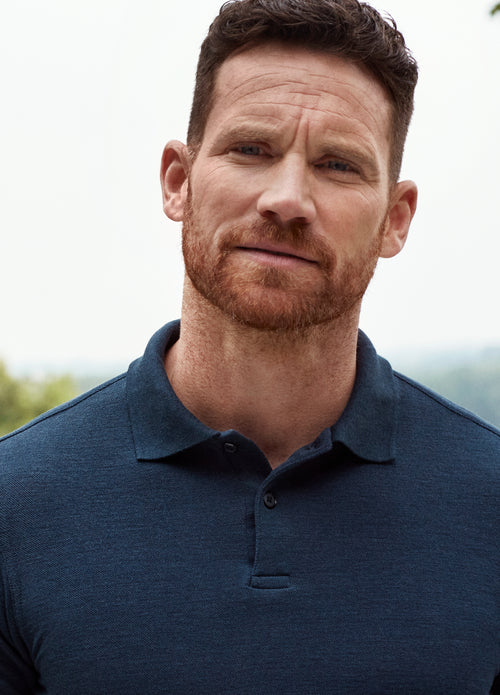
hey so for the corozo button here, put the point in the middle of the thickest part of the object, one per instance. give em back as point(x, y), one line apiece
point(270, 500)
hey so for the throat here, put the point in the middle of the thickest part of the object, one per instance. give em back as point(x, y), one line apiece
point(279, 402)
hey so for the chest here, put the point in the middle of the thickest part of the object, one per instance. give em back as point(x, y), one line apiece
point(250, 589)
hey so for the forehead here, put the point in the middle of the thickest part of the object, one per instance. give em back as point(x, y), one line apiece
point(275, 80)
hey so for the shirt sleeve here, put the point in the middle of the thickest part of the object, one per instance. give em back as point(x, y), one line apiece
point(495, 688)
point(15, 678)
point(17, 674)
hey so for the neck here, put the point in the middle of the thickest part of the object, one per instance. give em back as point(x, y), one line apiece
point(278, 389)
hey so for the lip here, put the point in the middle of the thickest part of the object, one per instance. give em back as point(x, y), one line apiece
point(277, 251)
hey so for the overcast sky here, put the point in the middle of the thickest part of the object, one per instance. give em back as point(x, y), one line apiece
point(91, 92)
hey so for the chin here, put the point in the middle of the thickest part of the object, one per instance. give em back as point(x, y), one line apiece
point(274, 310)
point(274, 300)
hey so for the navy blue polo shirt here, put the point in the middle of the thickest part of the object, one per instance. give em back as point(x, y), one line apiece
point(143, 552)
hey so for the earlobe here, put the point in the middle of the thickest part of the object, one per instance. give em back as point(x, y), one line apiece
point(401, 210)
point(174, 179)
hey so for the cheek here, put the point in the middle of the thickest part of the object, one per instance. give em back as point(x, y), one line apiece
point(353, 226)
point(221, 202)
point(350, 218)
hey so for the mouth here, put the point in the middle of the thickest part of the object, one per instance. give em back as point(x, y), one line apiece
point(277, 253)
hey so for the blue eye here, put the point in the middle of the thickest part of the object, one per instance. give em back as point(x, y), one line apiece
point(335, 165)
point(250, 149)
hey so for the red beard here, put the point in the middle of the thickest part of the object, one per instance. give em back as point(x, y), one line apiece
point(271, 298)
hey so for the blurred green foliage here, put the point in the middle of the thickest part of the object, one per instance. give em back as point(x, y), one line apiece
point(496, 8)
point(22, 399)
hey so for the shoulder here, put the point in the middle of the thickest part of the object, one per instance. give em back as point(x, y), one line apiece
point(422, 397)
point(428, 422)
point(66, 430)
point(62, 462)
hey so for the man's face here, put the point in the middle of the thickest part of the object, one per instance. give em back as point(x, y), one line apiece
point(288, 196)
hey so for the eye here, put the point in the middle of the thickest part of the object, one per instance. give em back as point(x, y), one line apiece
point(336, 165)
point(252, 150)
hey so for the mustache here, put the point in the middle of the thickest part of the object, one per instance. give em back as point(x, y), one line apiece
point(295, 234)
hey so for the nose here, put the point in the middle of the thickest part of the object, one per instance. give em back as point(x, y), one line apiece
point(287, 196)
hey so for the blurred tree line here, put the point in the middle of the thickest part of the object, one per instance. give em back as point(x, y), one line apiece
point(496, 8)
point(22, 399)
point(471, 381)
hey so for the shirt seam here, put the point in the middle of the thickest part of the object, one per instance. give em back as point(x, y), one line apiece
point(63, 407)
point(455, 409)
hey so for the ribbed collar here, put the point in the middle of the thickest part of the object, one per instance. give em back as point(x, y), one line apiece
point(162, 426)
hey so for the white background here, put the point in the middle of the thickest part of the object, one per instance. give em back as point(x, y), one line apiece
point(91, 91)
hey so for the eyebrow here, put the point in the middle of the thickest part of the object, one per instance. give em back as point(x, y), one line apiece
point(250, 132)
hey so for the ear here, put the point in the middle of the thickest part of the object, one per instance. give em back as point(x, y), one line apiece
point(175, 164)
point(403, 203)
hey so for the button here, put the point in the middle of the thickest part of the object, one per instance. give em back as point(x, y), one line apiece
point(270, 500)
point(230, 447)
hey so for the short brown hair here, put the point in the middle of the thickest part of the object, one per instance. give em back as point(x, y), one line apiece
point(346, 28)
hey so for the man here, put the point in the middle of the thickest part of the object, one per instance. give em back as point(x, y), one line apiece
point(260, 505)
